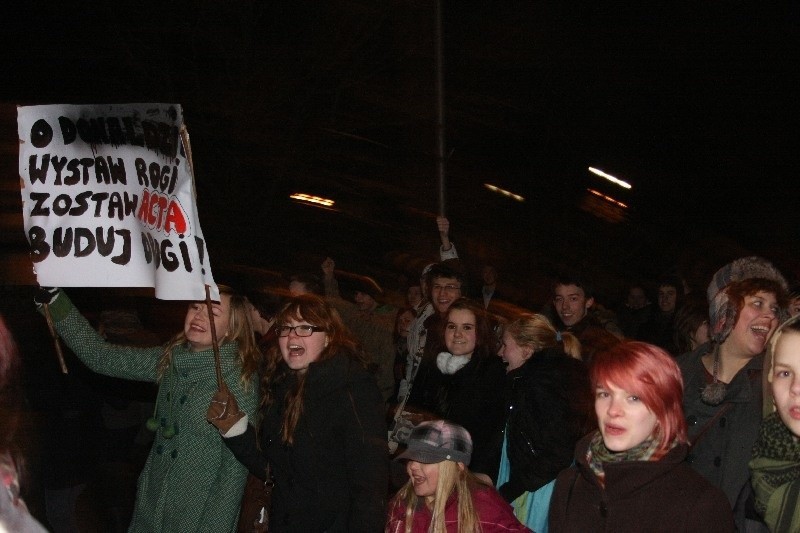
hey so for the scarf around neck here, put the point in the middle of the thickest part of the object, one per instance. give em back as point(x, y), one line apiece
point(775, 468)
point(597, 455)
point(450, 364)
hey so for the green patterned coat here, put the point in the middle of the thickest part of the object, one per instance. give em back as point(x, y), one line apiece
point(191, 482)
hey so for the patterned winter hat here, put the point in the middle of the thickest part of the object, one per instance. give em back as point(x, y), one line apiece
point(437, 441)
point(721, 313)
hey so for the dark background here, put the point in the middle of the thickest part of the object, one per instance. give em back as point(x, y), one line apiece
point(693, 103)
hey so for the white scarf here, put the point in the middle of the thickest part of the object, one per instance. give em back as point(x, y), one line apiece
point(449, 364)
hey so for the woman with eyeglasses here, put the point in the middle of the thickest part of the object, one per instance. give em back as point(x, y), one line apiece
point(322, 426)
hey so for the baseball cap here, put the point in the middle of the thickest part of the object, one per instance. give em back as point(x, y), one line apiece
point(436, 441)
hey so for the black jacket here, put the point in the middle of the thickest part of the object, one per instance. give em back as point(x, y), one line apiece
point(334, 476)
point(550, 407)
point(472, 397)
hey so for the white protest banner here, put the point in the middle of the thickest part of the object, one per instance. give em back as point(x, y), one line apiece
point(108, 199)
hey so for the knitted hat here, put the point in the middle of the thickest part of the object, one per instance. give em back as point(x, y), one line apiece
point(721, 313)
point(437, 441)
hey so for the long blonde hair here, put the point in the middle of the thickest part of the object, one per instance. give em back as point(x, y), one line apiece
point(453, 478)
point(240, 331)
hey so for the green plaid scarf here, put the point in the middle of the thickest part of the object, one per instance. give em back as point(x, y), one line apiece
point(598, 454)
point(776, 475)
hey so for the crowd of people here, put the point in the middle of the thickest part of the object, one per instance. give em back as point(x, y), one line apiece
point(449, 413)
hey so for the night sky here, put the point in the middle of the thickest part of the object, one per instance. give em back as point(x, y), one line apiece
point(693, 103)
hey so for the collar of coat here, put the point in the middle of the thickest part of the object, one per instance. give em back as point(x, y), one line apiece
point(325, 377)
point(626, 477)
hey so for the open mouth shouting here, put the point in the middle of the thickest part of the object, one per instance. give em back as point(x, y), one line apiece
point(300, 350)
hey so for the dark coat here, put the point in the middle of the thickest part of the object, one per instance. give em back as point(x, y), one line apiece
point(652, 496)
point(549, 409)
point(334, 476)
point(722, 453)
point(472, 397)
point(660, 330)
point(424, 388)
point(594, 335)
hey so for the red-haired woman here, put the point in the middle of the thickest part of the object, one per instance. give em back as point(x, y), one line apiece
point(323, 430)
point(630, 475)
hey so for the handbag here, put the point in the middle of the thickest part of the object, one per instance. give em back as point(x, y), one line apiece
point(254, 513)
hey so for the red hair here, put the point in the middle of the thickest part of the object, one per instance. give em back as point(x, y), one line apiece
point(650, 373)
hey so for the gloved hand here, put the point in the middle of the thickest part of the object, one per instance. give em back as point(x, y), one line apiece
point(46, 295)
point(223, 411)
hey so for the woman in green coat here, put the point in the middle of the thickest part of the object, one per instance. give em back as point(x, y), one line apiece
point(191, 482)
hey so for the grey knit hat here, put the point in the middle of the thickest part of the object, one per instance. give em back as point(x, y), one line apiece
point(721, 313)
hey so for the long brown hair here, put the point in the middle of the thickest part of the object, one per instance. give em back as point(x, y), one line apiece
point(240, 331)
point(341, 343)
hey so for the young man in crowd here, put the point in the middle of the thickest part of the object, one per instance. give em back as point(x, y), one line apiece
point(573, 299)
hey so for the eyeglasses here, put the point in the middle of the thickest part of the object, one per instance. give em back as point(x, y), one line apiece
point(447, 288)
point(301, 330)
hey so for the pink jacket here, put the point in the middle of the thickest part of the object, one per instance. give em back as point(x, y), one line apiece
point(495, 515)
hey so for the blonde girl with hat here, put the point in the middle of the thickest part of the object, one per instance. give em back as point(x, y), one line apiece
point(442, 495)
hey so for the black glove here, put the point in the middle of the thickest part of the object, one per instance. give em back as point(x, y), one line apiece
point(45, 295)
